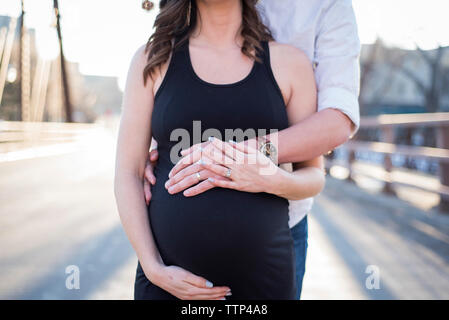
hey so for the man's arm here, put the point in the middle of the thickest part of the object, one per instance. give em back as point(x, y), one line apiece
point(317, 135)
point(337, 73)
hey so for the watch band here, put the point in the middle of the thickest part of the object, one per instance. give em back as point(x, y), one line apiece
point(262, 140)
point(268, 149)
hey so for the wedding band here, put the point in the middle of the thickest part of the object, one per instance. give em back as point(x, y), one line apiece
point(228, 173)
point(198, 175)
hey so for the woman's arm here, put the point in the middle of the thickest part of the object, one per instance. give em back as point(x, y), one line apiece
point(132, 151)
point(302, 183)
point(251, 171)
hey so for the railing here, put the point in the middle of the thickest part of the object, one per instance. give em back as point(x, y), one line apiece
point(386, 124)
point(18, 135)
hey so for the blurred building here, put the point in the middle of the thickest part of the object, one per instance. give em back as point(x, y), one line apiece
point(91, 96)
point(10, 104)
point(104, 95)
point(403, 81)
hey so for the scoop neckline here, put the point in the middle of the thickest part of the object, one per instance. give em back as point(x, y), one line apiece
point(217, 85)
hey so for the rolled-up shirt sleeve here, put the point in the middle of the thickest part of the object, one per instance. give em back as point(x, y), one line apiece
point(336, 60)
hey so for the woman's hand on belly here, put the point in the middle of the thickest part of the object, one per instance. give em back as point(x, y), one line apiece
point(196, 176)
point(233, 166)
point(187, 286)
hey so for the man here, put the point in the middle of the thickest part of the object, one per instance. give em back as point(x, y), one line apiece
point(326, 31)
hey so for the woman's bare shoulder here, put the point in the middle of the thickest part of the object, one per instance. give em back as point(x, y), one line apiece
point(136, 67)
point(285, 55)
point(291, 67)
point(139, 58)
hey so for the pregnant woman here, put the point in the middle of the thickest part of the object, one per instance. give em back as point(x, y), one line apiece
point(212, 61)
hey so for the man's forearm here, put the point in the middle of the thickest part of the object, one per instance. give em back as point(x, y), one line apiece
point(312, 137)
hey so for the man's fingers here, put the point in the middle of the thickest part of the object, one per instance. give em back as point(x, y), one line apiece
point(228, 149)
point(193, 148)
point(147, 191)
point(216, 155)
point(243, 147)
point(154, 155)
point(186, 151)
point(148, 173)
point(189, 150)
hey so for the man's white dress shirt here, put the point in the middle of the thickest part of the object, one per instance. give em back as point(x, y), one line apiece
point(326, 30)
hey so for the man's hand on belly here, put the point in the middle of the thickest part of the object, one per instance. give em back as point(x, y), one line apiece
point(190, 173)
point(224, 164)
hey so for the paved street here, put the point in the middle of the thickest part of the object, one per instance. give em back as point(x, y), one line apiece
point(58, 209)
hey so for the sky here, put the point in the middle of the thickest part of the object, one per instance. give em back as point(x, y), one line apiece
point(102, 35)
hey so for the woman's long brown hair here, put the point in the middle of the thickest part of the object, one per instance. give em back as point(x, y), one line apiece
point(173, 22)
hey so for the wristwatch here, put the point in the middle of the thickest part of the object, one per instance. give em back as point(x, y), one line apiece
point(268, 149)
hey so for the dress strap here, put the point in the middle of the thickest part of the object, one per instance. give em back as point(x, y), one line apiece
point(266, 60)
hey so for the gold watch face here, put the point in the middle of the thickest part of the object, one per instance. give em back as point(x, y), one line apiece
point(269, 150)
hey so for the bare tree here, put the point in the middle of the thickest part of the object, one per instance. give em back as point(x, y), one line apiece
point(367, 67)
point(432, 89)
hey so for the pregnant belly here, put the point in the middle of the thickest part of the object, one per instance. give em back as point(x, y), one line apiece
point(219, 228)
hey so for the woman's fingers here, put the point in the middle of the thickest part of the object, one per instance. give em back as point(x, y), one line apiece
point(223, 183)
point(203, 289)
point(211, 292)
point(216, 168)
point(201, 282)
point(186, 161)
point(197, 293)
point(216, 150)
point(197, 296)
point(189, 181)
point(188, 286)
point(201, 187)
point(182, 174)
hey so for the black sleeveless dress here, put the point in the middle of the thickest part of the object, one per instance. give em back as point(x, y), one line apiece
point(231, 238)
